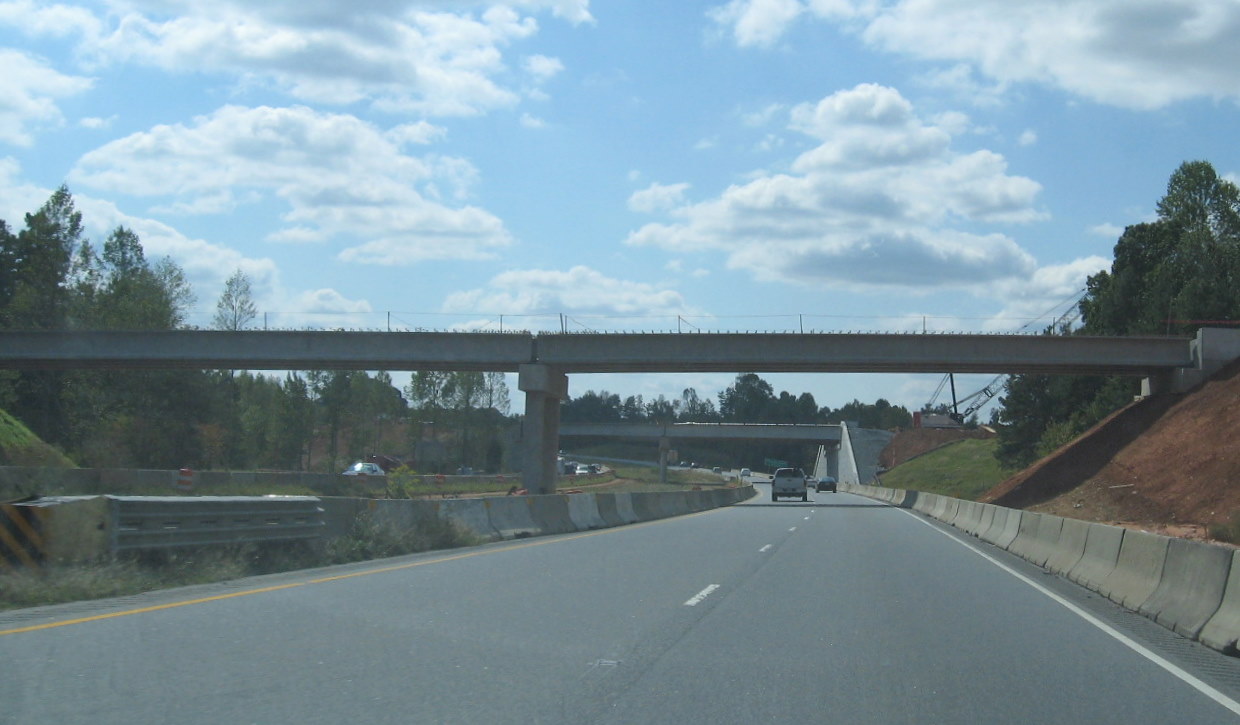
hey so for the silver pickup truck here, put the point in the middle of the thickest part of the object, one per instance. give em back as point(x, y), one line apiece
point(789, 483)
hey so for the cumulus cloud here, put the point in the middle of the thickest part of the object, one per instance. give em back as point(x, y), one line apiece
point(756, 22)
point(881, 202)
point(340, 177)
point(1049, 290)
point(1141, 54)
point(657, 197)
point(29, 89)
point(580, 290)
point(435, 59)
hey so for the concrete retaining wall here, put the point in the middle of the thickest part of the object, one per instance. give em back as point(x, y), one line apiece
point(1190, 587)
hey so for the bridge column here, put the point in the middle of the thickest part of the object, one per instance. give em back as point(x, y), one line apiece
point(544, 387)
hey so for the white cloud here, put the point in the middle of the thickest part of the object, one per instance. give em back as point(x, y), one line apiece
point(341, 178)
point(439, 59)
point(883, 201)
point(762, 116)
point(420, 133)
point(579, 290)
point(1107, 230)
point(756, 22)
point(657, 197)
point(574, 11)
point(94, 122)
point(542, 67)
point(1028, 137)
point(1140, 54)
point(1048, 291)
point(40, 19)
point(28, 89)
point(529, 121)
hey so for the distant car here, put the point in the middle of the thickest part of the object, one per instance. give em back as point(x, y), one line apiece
point(716, 469)
point(826, 483)
point(361, 468)
point(746, 473)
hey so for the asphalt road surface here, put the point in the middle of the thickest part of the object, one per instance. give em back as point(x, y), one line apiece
point(838, 610)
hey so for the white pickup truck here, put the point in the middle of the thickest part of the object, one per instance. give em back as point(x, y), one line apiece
point(789, 482)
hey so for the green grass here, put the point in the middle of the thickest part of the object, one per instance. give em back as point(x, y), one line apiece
point(121, 576)
point(20, 447)
point(965, 469)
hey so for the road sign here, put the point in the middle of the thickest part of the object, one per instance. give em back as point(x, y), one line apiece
point(775, 463)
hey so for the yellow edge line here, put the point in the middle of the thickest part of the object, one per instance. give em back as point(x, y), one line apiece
point(323, 580)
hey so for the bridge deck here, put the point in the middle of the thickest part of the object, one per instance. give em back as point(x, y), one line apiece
point(596, 353)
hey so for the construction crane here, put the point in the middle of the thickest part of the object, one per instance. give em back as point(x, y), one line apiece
point(986, 394)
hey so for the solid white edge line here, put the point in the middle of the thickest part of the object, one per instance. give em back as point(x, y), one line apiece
point(696, 599)
point(1123, 639)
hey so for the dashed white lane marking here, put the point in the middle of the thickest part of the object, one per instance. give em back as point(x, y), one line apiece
point(805, 519)
point(697, 598)
point(1175, 671)
point(793, 528)
point(764, 549)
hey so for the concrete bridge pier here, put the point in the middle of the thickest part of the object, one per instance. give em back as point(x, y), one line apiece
point(544, 387)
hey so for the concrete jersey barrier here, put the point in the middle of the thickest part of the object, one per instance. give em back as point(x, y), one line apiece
point(1138, 569)
point(1223, 630)
point(584, 511)
point(1070, 547)
point(1191, 588)
point(1102, 545)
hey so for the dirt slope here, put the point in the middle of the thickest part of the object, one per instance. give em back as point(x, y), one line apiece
point(1167, 460)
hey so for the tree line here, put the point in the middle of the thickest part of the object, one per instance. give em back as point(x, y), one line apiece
point(53, 278)
point(1170, 276)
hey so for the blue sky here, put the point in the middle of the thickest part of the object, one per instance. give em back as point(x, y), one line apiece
point(747, 165)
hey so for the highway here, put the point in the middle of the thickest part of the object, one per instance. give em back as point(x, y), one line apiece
point(837, 610)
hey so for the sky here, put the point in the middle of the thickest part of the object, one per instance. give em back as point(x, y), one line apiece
point(624, 165)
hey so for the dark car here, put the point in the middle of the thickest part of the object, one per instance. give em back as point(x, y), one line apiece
point(826, 483)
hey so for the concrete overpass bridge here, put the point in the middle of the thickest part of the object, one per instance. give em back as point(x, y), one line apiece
point(544, 361)
point(827, 436)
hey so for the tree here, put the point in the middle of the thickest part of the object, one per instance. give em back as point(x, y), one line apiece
point(591, 407)
point(695, 409)
point(235, 308)
point(661, 410)
point(1168, 276)
point(748, 400)
point(39, 256)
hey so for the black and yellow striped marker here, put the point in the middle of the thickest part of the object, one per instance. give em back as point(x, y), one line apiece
point(21, 536)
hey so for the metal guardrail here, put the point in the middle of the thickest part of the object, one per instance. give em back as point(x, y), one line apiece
point(150, 522)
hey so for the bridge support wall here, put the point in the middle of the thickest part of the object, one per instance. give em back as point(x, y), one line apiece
point(544, 388)
point(1213, 349)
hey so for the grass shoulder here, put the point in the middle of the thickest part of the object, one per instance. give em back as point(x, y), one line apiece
point(964, 469)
